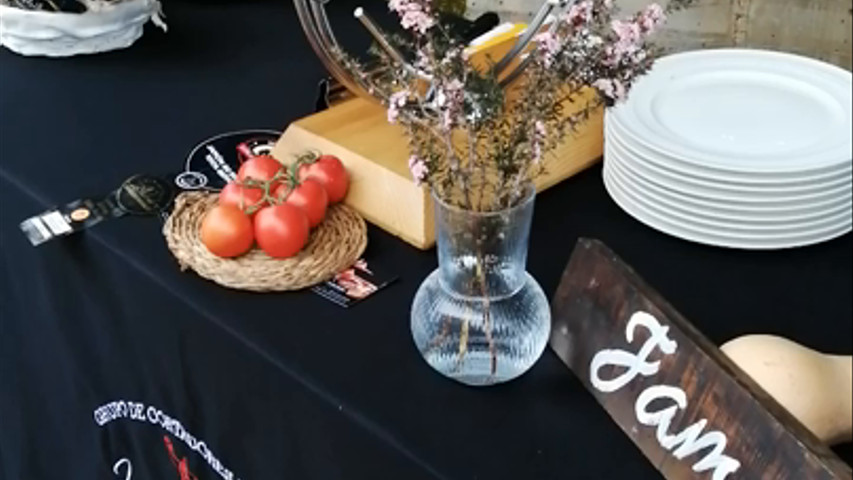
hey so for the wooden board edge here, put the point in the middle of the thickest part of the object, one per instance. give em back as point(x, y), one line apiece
point(412, 202)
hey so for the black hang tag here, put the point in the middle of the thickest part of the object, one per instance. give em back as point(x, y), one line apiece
point(73, 217)
point(144, 195)
point(323, 88)
point(138, 195)
point(210, 165)
point(330, 92)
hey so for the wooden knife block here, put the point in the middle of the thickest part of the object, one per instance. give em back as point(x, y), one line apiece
point(376, 155)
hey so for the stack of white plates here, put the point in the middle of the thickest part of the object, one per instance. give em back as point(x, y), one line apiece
point(736, 148)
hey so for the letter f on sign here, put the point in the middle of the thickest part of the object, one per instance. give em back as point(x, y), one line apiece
point(636, 364)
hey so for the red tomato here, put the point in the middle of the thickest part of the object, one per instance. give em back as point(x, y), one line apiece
point(281, 230)
point(330, 172)
point(310, 197)
point(262, 167)
point(226, 231)
point(240, 196)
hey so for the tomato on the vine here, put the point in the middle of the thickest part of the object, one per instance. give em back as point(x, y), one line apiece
point(330, 172)
point(241, 197)
point(309, 196)
point(261, 168)
point(226, 231)
point(281, 230)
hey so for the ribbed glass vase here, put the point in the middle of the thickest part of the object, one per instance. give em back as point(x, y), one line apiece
point(480, 318)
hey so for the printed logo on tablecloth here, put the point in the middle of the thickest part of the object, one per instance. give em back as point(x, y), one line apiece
point(148, 414)
point(180, 464)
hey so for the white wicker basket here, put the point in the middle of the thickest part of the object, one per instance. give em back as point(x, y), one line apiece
point(58, 34)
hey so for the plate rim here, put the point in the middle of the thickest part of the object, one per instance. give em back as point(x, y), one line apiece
point(724, 161)
point(614, 132)
point(844, 207)
point(723, 242)
point(820, 196)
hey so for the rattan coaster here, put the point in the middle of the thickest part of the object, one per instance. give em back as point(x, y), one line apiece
point(333, 246)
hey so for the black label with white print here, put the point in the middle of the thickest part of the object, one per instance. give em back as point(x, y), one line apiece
point(214, 162)
point(138, 195)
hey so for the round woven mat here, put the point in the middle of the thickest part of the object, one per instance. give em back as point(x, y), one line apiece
point(333, 246)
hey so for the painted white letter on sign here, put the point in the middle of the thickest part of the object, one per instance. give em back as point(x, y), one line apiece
point(635, 363)
point(689, 441)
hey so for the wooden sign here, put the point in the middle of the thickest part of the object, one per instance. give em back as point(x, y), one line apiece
point(692, 412)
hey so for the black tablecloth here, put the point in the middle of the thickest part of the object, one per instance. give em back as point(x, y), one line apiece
point(290, 385)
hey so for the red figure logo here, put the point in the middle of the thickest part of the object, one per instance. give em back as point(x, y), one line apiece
point(181, 465)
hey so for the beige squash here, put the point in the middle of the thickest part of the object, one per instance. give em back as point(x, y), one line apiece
point(816, 388)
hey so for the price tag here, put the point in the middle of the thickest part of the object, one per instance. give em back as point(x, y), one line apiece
point(138, 195)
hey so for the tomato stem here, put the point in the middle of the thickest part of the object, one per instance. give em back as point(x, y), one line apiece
point(287, 176)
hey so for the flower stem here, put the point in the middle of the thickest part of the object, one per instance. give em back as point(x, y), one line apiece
point(487, 319)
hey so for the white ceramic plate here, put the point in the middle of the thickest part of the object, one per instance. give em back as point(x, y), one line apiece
point(741, 212)
point(733, 217)
point(723, 197)
point(744, 111)
point(613, 132)
point(712, 236)
point(725, 194)
point(734, 230)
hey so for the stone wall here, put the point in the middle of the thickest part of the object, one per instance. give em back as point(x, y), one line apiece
point(816, 28)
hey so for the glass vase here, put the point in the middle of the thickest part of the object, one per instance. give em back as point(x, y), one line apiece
point(480, 318)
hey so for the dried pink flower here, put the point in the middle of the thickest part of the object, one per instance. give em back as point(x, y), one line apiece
point(418, 168)
point(445, 96)
point(449, 99)
point(396, 101)
point(539, 134)
point(611, 88)
point(537, 152)
point(587, 45)
point(629, 39)
point(651, 18)
point(414, 15)
point(579, 14)
point(447, 119)
point(628, 33)
point(548, 47)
